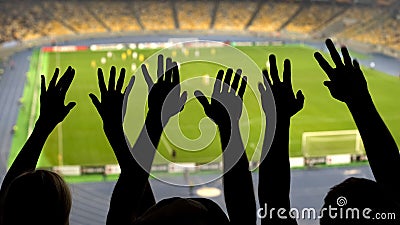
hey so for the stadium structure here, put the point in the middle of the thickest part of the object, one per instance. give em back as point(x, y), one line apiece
point(37, 36)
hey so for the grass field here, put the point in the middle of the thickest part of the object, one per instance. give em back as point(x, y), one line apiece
point(80, 140)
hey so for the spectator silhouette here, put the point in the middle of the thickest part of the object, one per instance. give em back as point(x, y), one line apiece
point(225, 109)
point(132, 200)
point(30, 196)
point(274, 170)
point(347, 84)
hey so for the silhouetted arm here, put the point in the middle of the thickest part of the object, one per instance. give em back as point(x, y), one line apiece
point(52, 112)
point(274, 171)
point(225, 110)
point(347, 84)
point(132, 194)
point(127, 200)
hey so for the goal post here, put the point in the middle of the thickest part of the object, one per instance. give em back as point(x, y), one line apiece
point(324, 143)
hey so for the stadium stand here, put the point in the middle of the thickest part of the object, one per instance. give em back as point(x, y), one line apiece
point(194, 15)
point(234, 15)
point(368, 21)
point(151, 16)
point(273, 15)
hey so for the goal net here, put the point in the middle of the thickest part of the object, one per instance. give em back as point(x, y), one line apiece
point(323, 143)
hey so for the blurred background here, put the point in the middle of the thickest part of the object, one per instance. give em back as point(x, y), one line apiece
point(38, 35)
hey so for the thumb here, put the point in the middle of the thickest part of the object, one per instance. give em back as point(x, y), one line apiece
point(95, 102)
point(202, 99)
point(261, 88)
point(126, 95)
point(329, 85)
point(300, 99)
point(69, 107)
point(182, 100)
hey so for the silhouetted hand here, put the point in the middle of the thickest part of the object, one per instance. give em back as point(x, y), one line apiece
point(52, 108)
point(286, 103)
point(226, 104)
point(111, 106)
point(165, 97)
point(346, 82)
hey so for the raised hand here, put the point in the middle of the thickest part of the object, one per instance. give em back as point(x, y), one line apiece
point(226, 104)
point(110, 107)
point(52, 108)
point(165, 99)
point(225, 109)
point(346, 82)
point(52, 111)
point(286, 103)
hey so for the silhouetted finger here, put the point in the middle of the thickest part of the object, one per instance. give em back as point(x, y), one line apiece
point(261, 88)
point(42, 85)
point(130, 85)
point(95, 102)
point(168, 70)
point(273, 69)
point(346, 56)
point(266, 79)
point(324, 65)
point(160, 67)
point(227, 80)
point(356, 64)
point(300, 99)
point(66, 81)
point(235, 82)
point(328, 84)
point(242, 88)
point(126, 95)
point(53, 80)
point(121, 80)
point(202, 99)
point(334, 53)
point(100, 78)
point(175, 73)
point(111, 80)
point(182, 100)
point(287, 74)
point(69, 107)
point(62, 82)
point(147, 77)
point(218, 81)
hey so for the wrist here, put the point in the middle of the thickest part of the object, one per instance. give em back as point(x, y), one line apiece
point(227, 130)
point(44, 126)
point(156, 118)
point(111, 129)
point(360, 101)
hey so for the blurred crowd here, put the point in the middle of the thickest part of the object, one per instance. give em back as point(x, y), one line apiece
point(375, 23)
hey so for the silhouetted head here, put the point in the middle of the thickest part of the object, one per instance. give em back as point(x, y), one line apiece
point(359, 201)
point(183, 211)
point(37, 197)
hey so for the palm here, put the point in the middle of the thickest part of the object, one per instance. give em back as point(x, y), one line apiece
point(287, 104)
point(110, 107)
point(225, 106)
point(347, 82)
point(164, 98)
point(52, 108)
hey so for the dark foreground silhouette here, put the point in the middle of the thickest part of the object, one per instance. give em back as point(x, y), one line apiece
point(132, 200)
point(30, 196)
point(347, 84)
point(274, 173)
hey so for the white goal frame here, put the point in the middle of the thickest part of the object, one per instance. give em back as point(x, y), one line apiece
point(358, 148)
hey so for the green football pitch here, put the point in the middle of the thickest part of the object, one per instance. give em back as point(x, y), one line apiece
point(80, 140)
